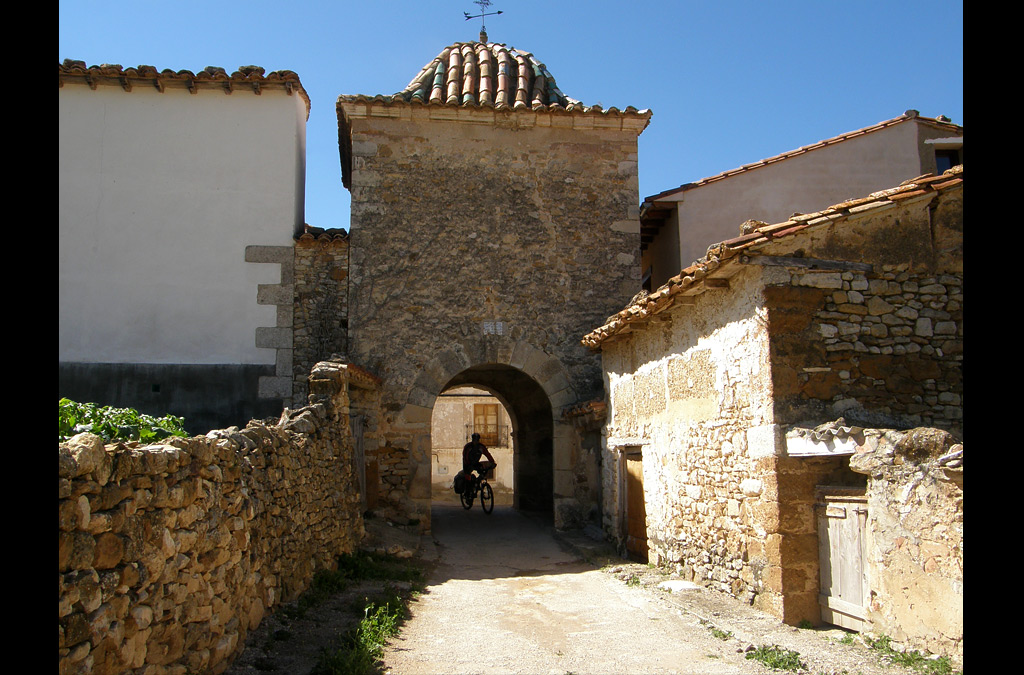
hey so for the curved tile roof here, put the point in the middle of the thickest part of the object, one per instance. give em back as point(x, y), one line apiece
point(489, 75)
point(644, 307)
point(211, 77)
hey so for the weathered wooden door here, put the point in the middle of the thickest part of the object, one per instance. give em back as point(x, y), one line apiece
point(842, 550)
point(366, 472)
point(636, 508)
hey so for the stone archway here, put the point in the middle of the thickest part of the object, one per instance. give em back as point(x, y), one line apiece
point(536, 386)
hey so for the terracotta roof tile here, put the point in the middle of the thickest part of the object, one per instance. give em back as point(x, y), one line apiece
point(723, 253)
point(489, 75)
point(249, 78)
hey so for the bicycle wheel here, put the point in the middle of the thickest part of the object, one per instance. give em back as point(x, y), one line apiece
point(486, 498)
point(467, 499)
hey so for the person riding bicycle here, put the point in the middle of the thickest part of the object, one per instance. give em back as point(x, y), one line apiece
point(471, 457)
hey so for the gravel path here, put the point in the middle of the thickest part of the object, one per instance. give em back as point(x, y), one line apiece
point(504, 596)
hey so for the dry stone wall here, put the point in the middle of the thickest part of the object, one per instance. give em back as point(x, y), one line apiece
point(170, 553)
point(916, 539)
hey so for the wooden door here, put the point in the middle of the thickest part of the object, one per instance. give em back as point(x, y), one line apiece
point(636, 508)
point(842, 550)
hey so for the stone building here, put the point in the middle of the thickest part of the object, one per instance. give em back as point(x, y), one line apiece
point(677, 224)
point(493, 219)
point(161, 188)
point(719, 383)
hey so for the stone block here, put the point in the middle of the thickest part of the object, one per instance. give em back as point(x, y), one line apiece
point(274, 338)
point(275, 294)
point(275, 387)
point(269, 254)
point(764, 441)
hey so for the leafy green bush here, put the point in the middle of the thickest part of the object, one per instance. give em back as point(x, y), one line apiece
point(114, 424)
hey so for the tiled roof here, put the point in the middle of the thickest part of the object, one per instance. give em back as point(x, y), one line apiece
point(719, 256)
point(246, 78)
point(490, 75)
point(320, 234)
point(937, 122)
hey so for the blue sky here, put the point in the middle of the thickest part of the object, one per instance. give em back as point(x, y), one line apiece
point(730, 82)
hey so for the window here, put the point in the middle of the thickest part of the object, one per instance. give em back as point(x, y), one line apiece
point(485, 423)
point(946, 158)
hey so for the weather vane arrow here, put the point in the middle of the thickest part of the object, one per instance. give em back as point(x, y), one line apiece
point(484, 5)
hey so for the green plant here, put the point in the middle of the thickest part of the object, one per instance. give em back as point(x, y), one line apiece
point(777, 658)
point(805, 625)
point(847, 639)
point(633, 580)
point(363, 647)
point(721, 634)
point(114, 424)
point(922, 663)
point(715, 630)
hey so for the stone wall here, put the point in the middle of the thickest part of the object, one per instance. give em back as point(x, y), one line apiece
point(693, 393)
point(879, 341)
point(482, 242)
point(916, 539)
point(883, 348)
point(320, 323)
point(170, 553)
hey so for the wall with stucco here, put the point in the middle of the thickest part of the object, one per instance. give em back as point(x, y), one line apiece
point(159, 194)
point(803, 183)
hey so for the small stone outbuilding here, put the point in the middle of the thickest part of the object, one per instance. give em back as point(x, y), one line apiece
point(724, 446)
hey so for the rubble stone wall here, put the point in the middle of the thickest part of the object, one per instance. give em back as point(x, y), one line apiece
point(170, 553)
point(481, 238)
point(693, 392)
point(883, 346)
point(320, 322)
point(915, 564)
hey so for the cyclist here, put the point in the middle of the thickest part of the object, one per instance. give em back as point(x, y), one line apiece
point(471, 457)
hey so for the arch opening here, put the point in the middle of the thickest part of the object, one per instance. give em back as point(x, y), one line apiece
point(529, 413)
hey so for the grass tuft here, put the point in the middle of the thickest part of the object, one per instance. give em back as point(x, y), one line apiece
point(777, 658)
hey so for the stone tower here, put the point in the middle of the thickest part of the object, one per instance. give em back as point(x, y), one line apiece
point(494, 222)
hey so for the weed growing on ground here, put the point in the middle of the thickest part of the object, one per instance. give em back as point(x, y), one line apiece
point(847, 639)
point(777, 658)
point(805, 625)
point(363, 647)
point(911, 659)
point(716, 631)
point(633, 580)
point(354, 567)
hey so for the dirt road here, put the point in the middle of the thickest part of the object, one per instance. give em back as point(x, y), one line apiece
point(504, 597)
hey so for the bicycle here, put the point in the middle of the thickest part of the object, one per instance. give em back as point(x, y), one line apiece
point(478, 484)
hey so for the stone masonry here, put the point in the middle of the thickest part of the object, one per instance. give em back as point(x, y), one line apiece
point(487, 232)
point(170, 553)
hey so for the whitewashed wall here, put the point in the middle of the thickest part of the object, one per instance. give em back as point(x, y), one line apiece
point(159, 194)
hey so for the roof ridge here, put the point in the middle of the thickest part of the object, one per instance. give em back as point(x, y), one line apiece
point(643, 308)
point(114, 74)
point(906, 116)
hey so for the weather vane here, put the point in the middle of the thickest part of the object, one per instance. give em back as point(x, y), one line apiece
point(484, 5)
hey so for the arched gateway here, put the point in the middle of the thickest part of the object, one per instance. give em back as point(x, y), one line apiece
point(494, 222)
